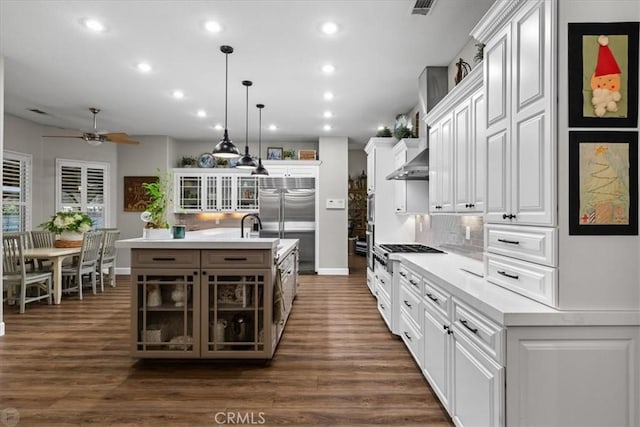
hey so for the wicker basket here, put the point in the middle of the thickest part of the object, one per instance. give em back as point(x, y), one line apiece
point(67, 243)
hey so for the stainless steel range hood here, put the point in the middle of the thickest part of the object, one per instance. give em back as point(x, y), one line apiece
point(414, 170)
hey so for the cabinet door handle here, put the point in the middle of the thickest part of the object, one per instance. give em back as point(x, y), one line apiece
point(407, 303)
point(382, 306)
point(510, 276)
point(204, 273)
point(163, 259)
point(414, 283)
point(464, 323)
point(195, 273)
point(407, 335)
point(235, 258)
point(445, 327)
point(403, 274)
point(511, 242)
point(433, 298)
point(505, 216)
point(382, 281)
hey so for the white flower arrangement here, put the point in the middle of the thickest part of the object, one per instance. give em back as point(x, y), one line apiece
point(68, 221)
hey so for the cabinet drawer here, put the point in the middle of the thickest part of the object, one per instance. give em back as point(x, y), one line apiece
point(535, 244)
point(384, 307)
point(412, 278)
point(384, 283)
point(481, 330)
point(531, 280)
point(165, 258)
point(411, 337)
point(437, 298)
point(236, 258)
point(410, 303)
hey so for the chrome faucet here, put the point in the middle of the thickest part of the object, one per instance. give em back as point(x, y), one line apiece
point(254, 215)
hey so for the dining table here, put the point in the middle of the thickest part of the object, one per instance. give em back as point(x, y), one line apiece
point(56, 256)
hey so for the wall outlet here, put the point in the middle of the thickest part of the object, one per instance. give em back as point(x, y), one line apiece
point(467, 232)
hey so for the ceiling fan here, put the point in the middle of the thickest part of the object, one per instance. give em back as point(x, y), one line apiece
point(96, 138)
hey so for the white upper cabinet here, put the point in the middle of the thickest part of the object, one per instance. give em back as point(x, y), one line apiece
point(457, 149)
point(292, 168)
point(520, 99)
point(220, 191)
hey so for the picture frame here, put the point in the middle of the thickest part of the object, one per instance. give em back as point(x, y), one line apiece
point(603, 57)
point(603, 183)
point(274, 153)
point(306, 154)
point(135, 197)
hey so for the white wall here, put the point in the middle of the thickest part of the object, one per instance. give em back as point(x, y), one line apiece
point(605, 269)
point(333, 223)
point(153, 153)
point(357, 162)
point(1, 156)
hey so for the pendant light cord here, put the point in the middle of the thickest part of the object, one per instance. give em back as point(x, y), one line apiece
point(226, 85)
point(246, 123)
point(260, 134)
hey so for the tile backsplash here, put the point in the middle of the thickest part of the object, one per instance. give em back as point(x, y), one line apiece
point(204, 221)
point(449, 233)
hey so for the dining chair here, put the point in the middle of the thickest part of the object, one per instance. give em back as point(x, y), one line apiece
point(108, 256)
point(42, 239)
point(15, 277)
point(85, 264)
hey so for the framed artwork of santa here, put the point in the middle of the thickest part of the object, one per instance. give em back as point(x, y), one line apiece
point(603, 74)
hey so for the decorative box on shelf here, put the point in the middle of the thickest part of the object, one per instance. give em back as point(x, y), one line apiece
point(306, 154)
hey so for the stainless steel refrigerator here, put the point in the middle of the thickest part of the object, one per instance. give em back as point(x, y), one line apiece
point(288, 211)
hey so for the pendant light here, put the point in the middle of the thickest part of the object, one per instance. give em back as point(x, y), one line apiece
point(246, 161)
point(225, 148)
point(260, 170)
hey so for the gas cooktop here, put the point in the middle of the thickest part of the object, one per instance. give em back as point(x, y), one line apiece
point(410, 248)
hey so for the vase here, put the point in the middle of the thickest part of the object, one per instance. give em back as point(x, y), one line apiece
point(156, 233)
point(69, 239)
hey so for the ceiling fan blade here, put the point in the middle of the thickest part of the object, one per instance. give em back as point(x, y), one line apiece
point(115, 135)
point(62, 136)
point(123, 141)
point(119, 138)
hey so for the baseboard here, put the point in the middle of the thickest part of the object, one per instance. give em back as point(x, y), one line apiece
point(123, 270)
point(1, 329)
point(333, 271)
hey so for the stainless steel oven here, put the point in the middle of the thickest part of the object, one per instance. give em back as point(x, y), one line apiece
point(370, 233)
point(371, 206)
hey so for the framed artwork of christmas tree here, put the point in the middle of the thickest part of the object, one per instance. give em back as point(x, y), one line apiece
point(603, 183)
point(603, 74)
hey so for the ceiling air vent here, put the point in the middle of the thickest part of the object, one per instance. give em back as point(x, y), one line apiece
point(37, 111)
point(423, 7)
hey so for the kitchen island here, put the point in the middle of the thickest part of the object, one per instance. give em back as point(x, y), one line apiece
point(210, 295)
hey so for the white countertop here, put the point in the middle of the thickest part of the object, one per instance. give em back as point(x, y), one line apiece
point(214, 238)
point(505, 307)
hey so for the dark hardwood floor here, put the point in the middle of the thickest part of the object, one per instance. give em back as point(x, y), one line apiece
point(337, 364)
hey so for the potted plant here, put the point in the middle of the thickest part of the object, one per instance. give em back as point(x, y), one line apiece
point(385, 132)
point(155, 215)
point(289, 154)
point(69, 226)
point(188, 161)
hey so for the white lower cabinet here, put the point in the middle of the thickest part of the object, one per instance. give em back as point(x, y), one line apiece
point(436, 354)
point(478, 385)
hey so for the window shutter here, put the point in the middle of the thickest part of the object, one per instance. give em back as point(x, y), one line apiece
point(16, 192)
point(83, 187)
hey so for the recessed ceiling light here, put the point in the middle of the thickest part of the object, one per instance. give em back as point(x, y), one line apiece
point(201, 113)
point(380, 127)
point(326, 127)
point(144, 67)
point(328, 114)
point(94, 25)
point(273, 127)
point(213, 26)
point(328, 96)
point(328, 68)
point(329, 28)
point(178, 94)
point(218, 127)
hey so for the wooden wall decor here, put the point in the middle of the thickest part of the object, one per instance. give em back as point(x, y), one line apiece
point(135, 198)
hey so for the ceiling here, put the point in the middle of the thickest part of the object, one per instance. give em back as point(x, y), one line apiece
point(55, 64)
